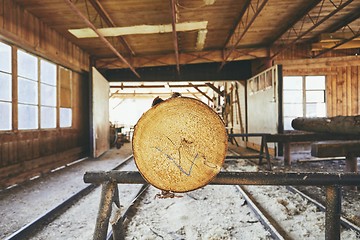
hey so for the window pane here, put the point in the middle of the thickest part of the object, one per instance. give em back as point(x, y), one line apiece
point(5, 58)
point(5, 116)
point(47, 72)
point(48, 117)
point(315, 110)
point(315, 96)
point(27, 65)
point(293, 96)
point(27, 91)
point(293, 110)
point(65, 117)
point(48, 95)
point(5, 87)
point(293, 82)
point(315, 82)
point(28, 116)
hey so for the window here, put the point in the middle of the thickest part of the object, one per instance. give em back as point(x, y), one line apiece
point(28, 85)
point(5, 87)
point(47, 94)
point(303, 96)
point(65, 97)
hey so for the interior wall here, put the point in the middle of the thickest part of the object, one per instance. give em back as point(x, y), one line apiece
point(342, 71)
point(28, 153)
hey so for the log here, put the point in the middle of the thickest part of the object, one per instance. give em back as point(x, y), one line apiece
point(179, 145)
point(337, 125)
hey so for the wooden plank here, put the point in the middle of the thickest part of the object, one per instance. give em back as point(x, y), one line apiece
point(329, 95)
point(358, 89)
point(354, 95)
point(348, 93)
point(184, 58)
point(2, 13)
point(334, 94)
point(335, 148)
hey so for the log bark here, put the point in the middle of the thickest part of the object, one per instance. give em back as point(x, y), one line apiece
point(337, 125)
point(179, 144)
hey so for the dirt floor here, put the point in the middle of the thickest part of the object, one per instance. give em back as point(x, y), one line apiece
point(21, 204)
point(302, 161)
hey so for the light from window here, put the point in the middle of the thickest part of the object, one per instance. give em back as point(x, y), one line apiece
point(47, 94)
point(303, 96)
point(27, 91)
point(5, 87)
point(5, 116)
point(28, 116)
point(65, 117)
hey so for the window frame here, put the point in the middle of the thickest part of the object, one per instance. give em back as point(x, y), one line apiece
point(304, 102)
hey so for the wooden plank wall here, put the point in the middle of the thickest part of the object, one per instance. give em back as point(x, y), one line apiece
point(342, 71)
point(25, 154)
point(22, 29)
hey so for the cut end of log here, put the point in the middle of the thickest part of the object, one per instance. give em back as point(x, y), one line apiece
point(179, 145)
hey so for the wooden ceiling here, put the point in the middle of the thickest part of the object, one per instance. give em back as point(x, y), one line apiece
point(236, 29)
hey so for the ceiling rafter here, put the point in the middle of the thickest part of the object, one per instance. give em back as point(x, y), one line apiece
point(159, 86)
point(246, 20)
point(300, 15)
point(318, 23)
point(336, 45)
point(202, 93)
point(106, 17)
point(175, 37)
point(107, 43)
point(185, 58)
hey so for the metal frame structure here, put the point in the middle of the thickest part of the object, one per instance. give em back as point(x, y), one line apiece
point(332, 181)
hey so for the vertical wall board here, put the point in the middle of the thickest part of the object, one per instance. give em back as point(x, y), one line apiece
point(329, 97)
point(354, 92)
point(2, 163)
point(348, 91)
point(358, 89)
point(2, 13)
point(100, 113)
point(334, 94)
point(5, 153)
point(344, 94)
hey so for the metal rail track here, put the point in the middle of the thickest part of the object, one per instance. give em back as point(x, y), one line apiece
point(36, 225)
point(259, 213)
point(269, 224)
point(132, 204)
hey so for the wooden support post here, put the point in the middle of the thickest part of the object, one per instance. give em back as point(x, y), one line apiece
point(102, 221)
point(287, 154)
point(351, 166)
point(333, 213)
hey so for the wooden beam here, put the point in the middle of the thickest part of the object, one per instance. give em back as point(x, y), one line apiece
point(288, 26)
point(345, 42)
point(315, 25)
point(336, 36)
point(184, 58)
point(199, 90)
point(175, 37)
point(104, 15)
point(335, 45)
point(107, 43)
point(311, 63)
point(242, 27)
point(221, 93)
point(158, 86)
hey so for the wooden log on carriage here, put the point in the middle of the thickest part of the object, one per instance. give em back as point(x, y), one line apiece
point(337, 125)
point(179, 144)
